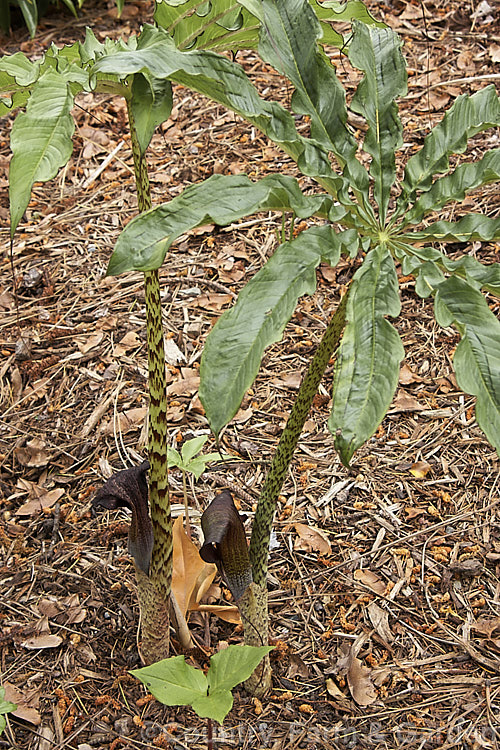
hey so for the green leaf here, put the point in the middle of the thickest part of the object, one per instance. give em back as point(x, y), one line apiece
point(233, 665)
point(429, 276)
point(221, 199)
point(176, 683)
point(367, 369)
point(151, 105)
point(467, 116)
point(5, 26)
point(6, 707)
point(174, 458)
point(227, 83)
point(377, 52)
point(69, 4)
point(467, 229)
point(30, 13)
point(477, 357)
point(22, 70)
point(173, 681)
point(41, 141)
point(119, 7)
point(289, 41)
point(455, 186)
point(219, 25)
point(192, 447)
point(235, 346)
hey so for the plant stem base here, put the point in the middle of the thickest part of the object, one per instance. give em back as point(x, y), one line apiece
point(253, 610)
point(155, 620)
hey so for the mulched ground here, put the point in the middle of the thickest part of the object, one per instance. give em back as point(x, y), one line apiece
point(393, 638)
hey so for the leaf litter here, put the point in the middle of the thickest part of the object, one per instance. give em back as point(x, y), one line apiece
point(409, 597)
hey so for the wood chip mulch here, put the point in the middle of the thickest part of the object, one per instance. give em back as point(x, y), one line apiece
point(390, 638)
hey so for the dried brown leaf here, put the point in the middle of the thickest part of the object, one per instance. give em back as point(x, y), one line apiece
point(34, 453)
point(362, 688)
point(420, 469)
point(311, 539)
point(42, 641)
point(25, 701)
point(43, 501)
point(379, 618)
point(370, 579)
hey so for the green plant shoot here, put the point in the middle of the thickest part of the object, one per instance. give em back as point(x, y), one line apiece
point(6, 707)
point(176, 683)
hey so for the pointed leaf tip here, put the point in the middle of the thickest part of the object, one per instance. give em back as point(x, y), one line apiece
point(226, 543)
point(129, 489)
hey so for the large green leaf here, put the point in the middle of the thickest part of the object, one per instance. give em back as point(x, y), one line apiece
point(453, 187)
point(226, 82)
point(377, 52)
point(234, 348)
point(477, 357)
point(233, 665)
point(467, 229)
point(151, 104)
point(23, 71)
point(29, 10)
point(221, 199)
point(41, 141)
point(366, 374)
point(289, 41)
point(467, 116)
point(477, 274)
point(218, 25)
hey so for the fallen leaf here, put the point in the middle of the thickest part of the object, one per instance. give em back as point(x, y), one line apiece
point(42, 641)
point(334, 690)
point(404, 402)
point(26, 703)
point(297, 668)
point(213, 302)
point(494, 52)
point(370, 579)
point(412, 512)
point(407, 376)
point(487, 627)
point(89, 342)
point(362, 688)
point(128, 421)
point(41, 502)
point(420, 469)
point(173, 354)
point(184, 387)
point(130, 341)
point(311, 539)
point(379, 618)
point(34, 453)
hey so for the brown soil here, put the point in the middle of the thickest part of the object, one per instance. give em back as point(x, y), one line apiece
point(392, 639)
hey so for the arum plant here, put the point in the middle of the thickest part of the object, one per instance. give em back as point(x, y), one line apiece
point(41, 143)
point(364, 212)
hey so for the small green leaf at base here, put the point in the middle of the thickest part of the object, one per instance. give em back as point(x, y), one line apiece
point(176, 683)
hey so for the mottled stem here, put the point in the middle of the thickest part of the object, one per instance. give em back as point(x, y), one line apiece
point(155, 622)
point(263, 521)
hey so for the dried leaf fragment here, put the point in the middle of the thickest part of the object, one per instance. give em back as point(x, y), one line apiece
point(42, 641)
point(362, 688)
point(311, 539)
point(420, 469)
point(370, 579)
point(34, 453)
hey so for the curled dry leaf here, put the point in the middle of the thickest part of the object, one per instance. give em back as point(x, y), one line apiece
point(192, 578)
point(26, 703)
point(42, 641)
point(370, 579)
point(34, 453)
point(128, 421)
point(311, 539)
point(43, 500)
point(379, 618)
point(362, 688)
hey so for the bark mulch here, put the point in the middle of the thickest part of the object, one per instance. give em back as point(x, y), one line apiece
point(388, 634)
